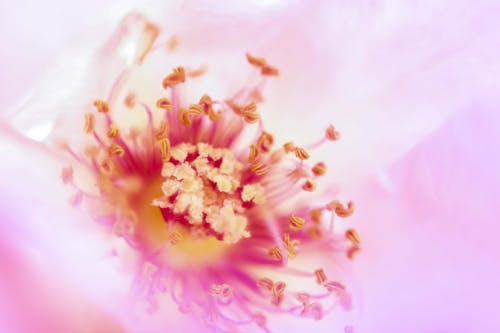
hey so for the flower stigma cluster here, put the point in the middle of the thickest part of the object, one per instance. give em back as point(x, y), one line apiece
point(200, 192)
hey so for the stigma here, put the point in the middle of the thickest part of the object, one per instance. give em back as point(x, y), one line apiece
point(201, 193)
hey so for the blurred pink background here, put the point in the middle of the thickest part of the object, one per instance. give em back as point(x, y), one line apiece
point(431, 260)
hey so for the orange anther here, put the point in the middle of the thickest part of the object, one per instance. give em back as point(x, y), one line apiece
point(260, 168)
point(289, 147)
point(301, 153)
point(162, 131)
point(196, 109)
point(352, 236)
point(107, 166)
point(265, 283)
point(319, 169)
point(256, 61)
point(177, 76)
point(165, 149)
point(184, 117)
point(115, 149)
point(309, 185)
point(331, 134)
point(254, 153)
point(316, 215)
point(193, 73)
point(164, 103)
point(269, 71)
point(130, 100)
point(339, 209)
point(296, 223)
point(353, 251)
point(172, 43)
point(315, 232)
point(275, 253)
point(101, 106)
point(265, 141)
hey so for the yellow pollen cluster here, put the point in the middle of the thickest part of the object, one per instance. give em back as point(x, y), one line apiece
point(208, 189)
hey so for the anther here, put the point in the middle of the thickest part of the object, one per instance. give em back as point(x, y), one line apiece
point(309, 185)
point(101, 106)
point(320, 276)
point(174, 238)
point(339, 209)
point(290, 245)
point(275, 253)
point(301, 153)
point(113, 131)
point(162, 131)
point(269, 70)
point(184, 117)
point(107, 166)
point(197, 72)
point(278, 292)
point(316, 215)
point(296, 223)
point(353, 251)
point(289, 147)
point(196, 109)
point(254, 153)
point(260, 168)
point(89, 124)
point(165, 149)
point(249, 113)
point(164, 103)
point(256, 61)
point(315, 232)
point(265, 141)
point(265, 283)
point(352, 236)
point(319, 169)
point(177, 76)
point(331, 134)
point(115, 149)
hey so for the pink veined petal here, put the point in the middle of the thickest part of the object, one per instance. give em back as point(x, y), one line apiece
point(431, 251)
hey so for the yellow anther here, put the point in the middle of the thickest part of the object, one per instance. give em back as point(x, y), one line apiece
point(162, 131)
point(164, 103)
point(331, 134)
point(67, 175)
point(319, 169)
point(113, 131)
point(184, 117)
point(89, 124)
point(265, 141)
point(260, 168)
point(101, 106)
point(275, 253)
point(296, 223)
point(290, 245)
point(249, 113)
point(289, 147)
point(165, 149)
point(316, 215)
point(320, 276)
point(352, 236)
point(115, 149)
point(309, 185)
point(177, 76)
point(339, 209)
point(301, 153)
point(130, 100)
point(254, 153)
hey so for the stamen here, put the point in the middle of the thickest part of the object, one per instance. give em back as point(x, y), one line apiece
point(309, 185)
point(315, 232)
point(177, 76)
point(115, 149)
point(265, 141)
point(260, 168)
point(301, 153)
point(101, 106)
point(165, 149)
point(296, 223)
point(290, 245)
point(262, 64)
point(275, 252)
point(265, 283)
point(254, 154)
point(164, 103)
point(113, 131)
point(289, 147)
point(162, 131)
point(319, 169)
point(194, 73)
point(172, 43)
point(320, 276)
point(278, 293)
point(316, 215)
point(331, 134)
point(89, 125)
point(353, 236)
point(130, 100)
point(184, 117)
point(339, 208)
point(196, 109)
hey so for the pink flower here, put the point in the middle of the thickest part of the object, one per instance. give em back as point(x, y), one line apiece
point(182, 201)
